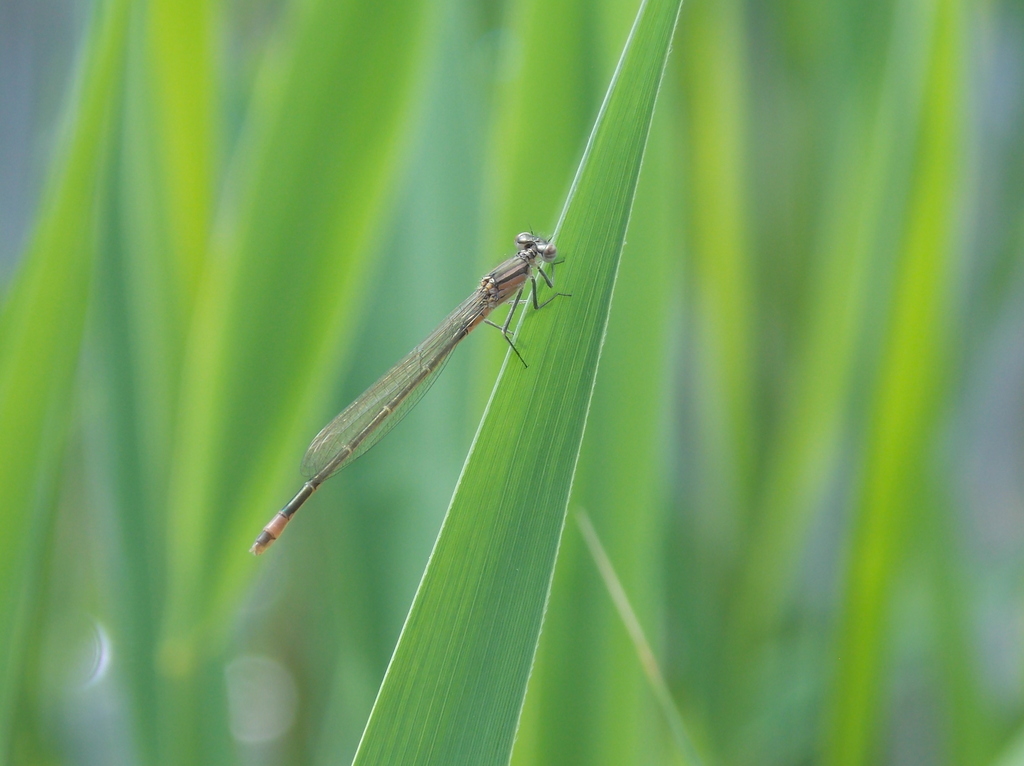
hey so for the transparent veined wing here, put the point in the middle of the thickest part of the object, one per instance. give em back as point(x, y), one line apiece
point(380, 408)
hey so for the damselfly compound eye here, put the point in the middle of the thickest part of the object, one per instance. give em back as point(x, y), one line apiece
point(547, 251)
point(525, 240)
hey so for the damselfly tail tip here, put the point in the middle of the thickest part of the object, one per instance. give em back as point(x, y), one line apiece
point(262, 543)
point(270, 533)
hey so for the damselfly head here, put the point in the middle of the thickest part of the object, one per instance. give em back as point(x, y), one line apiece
point(543, 248)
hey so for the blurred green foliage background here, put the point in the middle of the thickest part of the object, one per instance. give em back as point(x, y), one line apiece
point(805, 453)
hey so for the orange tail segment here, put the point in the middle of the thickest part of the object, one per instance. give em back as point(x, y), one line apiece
point(270, 533)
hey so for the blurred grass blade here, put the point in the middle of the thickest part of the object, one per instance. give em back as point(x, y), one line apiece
point(1013, 754)
point(181, 43)
point(716, 82)
point(908, 389)
point(284, 282)
point(275, 305)
point(147, 272)
point(714, 85)
point(686, 750)
point(868, 179)
point(455, 687)
point(519, 147)
point(41, 326)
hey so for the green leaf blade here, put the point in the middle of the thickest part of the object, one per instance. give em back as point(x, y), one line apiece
point(455, 687)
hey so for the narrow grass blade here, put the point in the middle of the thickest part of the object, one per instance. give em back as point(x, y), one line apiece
point(41, 325)
point(454, 689)
point(714, 80)
point(519, 147)
point(914, 355)
point(644, 653)
point(180, 43)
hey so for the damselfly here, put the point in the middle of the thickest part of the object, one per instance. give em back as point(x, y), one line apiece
point(364, 422)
